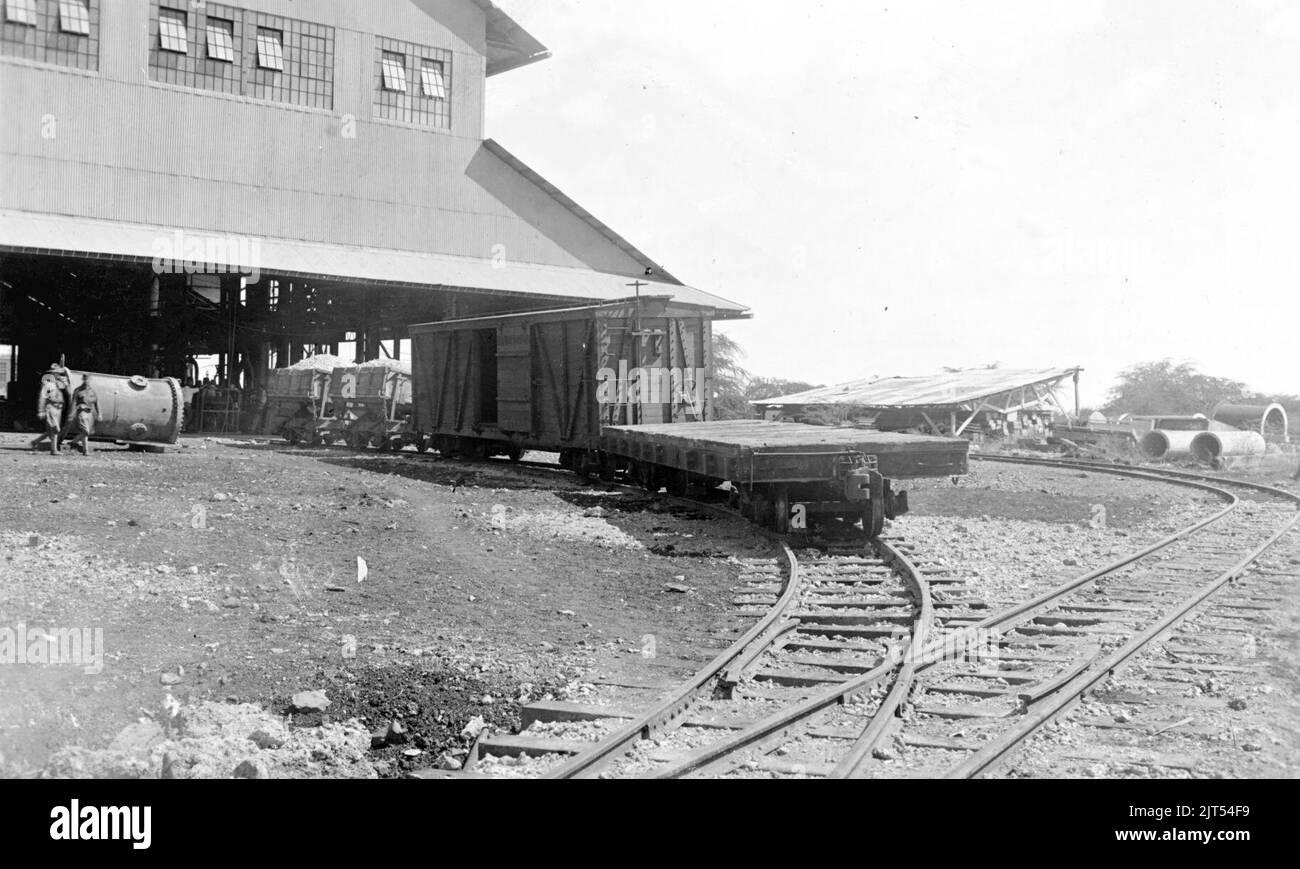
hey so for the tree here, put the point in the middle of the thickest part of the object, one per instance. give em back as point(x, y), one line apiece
point(1167, 388)
point(759, 388)
point(729, 379)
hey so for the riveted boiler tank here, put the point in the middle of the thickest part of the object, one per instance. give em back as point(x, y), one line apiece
point(135, 410)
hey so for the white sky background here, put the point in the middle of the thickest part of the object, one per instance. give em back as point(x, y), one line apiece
point(898, 187)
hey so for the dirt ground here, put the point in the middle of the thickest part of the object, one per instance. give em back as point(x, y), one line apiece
point(408, 589)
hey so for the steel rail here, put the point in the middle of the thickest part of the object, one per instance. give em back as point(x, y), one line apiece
point(779, 722)
point(1051, 706)
point(883, 719)
point(591, 761)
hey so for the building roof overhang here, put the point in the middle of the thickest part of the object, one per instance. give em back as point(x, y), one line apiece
point(172, 249)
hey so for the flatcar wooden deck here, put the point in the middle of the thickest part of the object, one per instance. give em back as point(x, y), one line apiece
point(756, 451)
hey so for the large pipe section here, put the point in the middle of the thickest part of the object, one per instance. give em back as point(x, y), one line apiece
point(1167, 445)
point(1268, 419)
point(135, 409)
point(1209, 446)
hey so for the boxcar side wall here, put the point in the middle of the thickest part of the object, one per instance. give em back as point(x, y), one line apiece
point(550, 381)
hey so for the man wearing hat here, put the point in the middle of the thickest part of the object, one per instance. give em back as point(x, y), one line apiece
point(49, 406)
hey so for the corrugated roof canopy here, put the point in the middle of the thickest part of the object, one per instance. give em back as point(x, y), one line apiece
point(959, 390)
point(60, 235)
point(509, 46)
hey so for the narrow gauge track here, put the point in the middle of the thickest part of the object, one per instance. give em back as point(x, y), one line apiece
point(839, 626)
point(999, 676)
point(1056, 648)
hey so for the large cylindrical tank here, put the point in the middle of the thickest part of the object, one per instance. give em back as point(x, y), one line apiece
point(135, 409)
point(1267, 419)
point(1212, 445)
point(1167, 445)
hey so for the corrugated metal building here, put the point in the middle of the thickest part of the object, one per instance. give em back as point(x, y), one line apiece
point(941, 403)
point(264, 178)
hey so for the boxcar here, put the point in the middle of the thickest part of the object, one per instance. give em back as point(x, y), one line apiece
point(551, 380)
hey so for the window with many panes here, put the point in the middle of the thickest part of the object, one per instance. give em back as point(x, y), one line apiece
point(172, 35)
point(270, 49)
point(239, 51)
point(220, 37)
point(62, 32)
point(394, 66)
point(195, 45)
point(413, 84)
point(20, 12)
point(74, 17)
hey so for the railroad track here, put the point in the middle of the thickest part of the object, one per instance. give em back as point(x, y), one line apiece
point(1046, 654)
point(861, 658)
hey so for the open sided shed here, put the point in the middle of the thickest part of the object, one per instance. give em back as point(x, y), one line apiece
point(954, 399)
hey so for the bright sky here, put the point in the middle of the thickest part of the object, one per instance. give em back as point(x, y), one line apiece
point(898, 187)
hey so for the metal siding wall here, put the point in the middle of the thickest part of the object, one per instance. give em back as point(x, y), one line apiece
point(130, 150)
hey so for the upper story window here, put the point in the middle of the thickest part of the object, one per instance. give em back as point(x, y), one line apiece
point(270, 49)
point(21, 12)
point(172, 34)
point(427, 100)
point(74, 17)
point(241, 51)
point(62, 32)
point(433, 80)
point(394, 72)
point(221, 40)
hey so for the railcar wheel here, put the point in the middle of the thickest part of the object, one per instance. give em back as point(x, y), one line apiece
point(646, 476)
point(678, 482)
point(515, 455)
point(292, 437)
point(421, 444)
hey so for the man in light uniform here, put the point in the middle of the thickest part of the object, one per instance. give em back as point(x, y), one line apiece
point(50, 404)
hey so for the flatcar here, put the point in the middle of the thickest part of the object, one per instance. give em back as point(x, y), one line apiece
point(625, 390)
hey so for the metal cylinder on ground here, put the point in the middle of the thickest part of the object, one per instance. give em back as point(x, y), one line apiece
point(1167, 445)
point(1212, 445)
point(135, 409)
point(1268, 419)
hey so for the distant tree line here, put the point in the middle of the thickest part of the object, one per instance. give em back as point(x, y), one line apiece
point(1166, 387)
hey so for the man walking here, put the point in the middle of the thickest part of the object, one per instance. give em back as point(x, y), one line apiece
point(49, 406)
point(85, 413)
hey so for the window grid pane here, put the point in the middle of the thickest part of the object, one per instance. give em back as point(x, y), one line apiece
point(21, 11)
point(432, 80)
point(221, 40)
point(270, 49)
point(394, 72)
point(74, 17)
point(61, 32)
point(172, 35)
point(426, 105)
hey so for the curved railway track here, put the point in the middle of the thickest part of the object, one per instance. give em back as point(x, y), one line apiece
point(998, 677)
